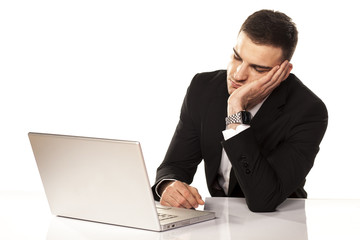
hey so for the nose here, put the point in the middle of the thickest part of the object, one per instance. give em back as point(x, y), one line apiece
point(241, 72)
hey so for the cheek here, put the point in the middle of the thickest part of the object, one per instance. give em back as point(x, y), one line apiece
point(230, 66)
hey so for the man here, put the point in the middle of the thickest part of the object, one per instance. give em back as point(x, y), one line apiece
point(256, 126)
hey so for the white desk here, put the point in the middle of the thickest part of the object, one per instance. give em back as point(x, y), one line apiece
point(26, 216)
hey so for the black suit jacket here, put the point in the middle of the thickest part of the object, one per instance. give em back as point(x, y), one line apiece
point(270, 160)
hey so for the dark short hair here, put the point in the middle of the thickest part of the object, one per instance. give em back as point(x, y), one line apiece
point(268, 27)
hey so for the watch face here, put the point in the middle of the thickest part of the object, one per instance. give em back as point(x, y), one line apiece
point(245, 117)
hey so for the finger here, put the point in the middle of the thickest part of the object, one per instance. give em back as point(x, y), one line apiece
point(269, 76)
point(164, 202)
point(264, 85)
point(289, 68)
point(172, 197)
point(187, 193)
point(179, 192)
point(278, 76)
point(176, 200)
point(197, 196)
point(284, 69)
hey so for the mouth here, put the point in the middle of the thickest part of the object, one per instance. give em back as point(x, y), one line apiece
point(234, 84)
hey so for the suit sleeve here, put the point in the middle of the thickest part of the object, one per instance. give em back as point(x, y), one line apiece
point(267, 178)
point(184, 152)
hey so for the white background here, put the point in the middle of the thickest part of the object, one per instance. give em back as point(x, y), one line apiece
point(120, 70)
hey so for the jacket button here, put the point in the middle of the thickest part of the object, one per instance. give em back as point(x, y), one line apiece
point(246, 164)
point(247, 171)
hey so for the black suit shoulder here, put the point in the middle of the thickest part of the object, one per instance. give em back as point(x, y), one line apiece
point(306, 102)
point(209, 82)
point(203, 88)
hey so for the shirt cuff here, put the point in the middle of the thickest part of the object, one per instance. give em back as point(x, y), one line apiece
point(229, 133)
point(158, 185)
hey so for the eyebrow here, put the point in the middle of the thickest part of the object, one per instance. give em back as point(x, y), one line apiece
point(252, 65)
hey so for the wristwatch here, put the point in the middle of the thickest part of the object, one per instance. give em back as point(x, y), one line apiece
point(242, 117)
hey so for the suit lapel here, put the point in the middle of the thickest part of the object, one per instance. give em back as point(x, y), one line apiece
point(269, 111)
point(272, 106)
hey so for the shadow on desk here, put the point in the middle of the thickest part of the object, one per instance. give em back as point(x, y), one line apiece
point(233, 221)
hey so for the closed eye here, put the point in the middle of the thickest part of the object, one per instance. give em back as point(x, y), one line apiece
point(257, 68)
point(261, 69)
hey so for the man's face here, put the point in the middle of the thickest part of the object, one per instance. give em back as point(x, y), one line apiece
point(250, 62)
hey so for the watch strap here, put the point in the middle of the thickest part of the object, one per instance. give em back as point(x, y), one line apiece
point(242, 117)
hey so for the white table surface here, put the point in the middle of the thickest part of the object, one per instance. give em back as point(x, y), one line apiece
point(26, 216)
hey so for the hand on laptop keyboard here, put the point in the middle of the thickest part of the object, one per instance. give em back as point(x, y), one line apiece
point(180, 194)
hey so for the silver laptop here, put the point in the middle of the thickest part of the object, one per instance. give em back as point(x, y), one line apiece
point(105, 181)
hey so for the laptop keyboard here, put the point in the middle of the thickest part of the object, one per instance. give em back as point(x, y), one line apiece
point(164, 216)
